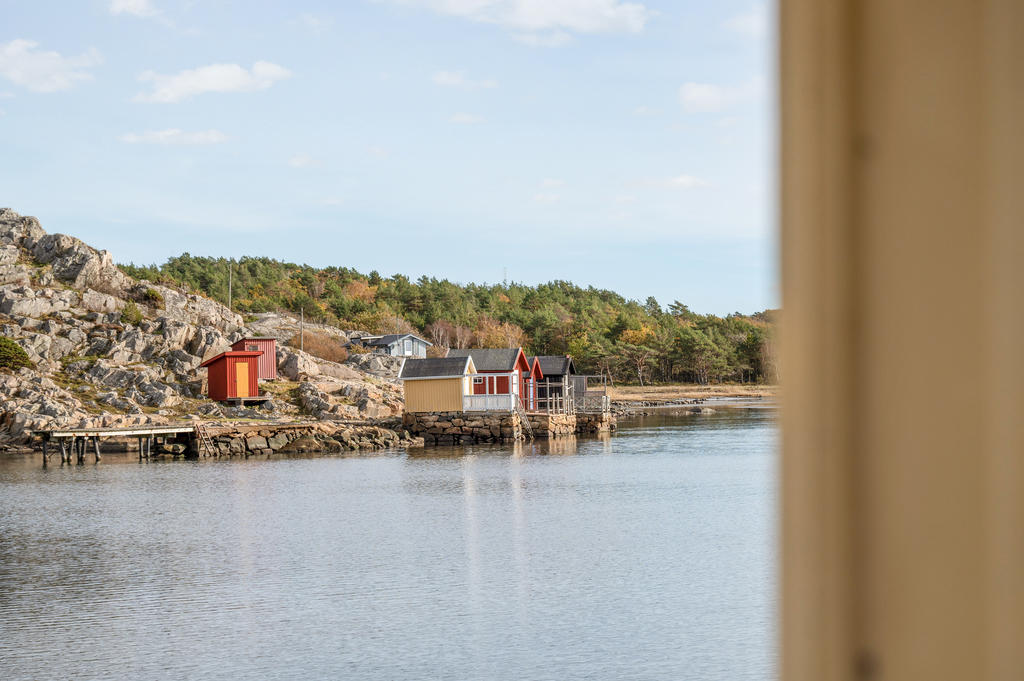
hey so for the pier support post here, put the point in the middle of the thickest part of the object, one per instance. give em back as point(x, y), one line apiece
point(64, 456)
point(96, 447)
point(46, 453)
point(141, 449)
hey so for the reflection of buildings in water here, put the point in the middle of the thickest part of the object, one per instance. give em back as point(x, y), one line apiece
point(560, 446)
point(521, 550)
point(472, 531)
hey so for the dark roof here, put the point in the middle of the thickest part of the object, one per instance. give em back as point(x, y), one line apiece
point(434, 367)
point(245, 338)
point(232, 353)
point(555, 365)
point(489, 359)
point(391, 338)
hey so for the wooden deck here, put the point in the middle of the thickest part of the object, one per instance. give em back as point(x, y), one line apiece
point(133, 431)
point(76, 441)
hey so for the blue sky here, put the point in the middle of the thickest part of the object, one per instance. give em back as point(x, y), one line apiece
point(625, 145)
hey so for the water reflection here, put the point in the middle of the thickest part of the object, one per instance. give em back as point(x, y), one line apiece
point(644, 555)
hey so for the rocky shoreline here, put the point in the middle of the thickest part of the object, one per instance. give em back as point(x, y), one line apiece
point(101, 350)
point(104, 350)
point(638, 407)
point(252, 440)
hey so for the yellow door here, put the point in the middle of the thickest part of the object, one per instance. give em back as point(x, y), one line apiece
point(242, 379)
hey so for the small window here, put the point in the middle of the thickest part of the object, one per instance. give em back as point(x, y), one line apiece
point(478, 380)
point(252, 348)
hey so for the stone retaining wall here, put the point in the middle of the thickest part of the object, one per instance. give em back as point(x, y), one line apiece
point(315, 437)
point(595, 423)
point(458, 427)
point(552, 425)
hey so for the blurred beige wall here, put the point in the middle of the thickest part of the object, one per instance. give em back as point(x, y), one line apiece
point(903, 340)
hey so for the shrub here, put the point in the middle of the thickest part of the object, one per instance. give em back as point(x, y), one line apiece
point(13, 356)
point(153, 297)
point(131, 314)
point(321, 345)
point(437, 351)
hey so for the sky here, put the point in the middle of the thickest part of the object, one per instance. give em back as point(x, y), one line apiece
point(621, 145)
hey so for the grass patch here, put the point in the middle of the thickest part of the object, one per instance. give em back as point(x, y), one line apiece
point(71, 359)
point(321, 345)
point(13, 356)
point(131, 314)
point(152, 297)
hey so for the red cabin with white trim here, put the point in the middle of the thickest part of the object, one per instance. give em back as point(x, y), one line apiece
point(503, 371)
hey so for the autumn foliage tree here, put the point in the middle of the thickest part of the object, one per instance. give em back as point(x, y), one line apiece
point(624, 340)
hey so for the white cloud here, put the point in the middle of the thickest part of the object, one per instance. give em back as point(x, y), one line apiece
point(304, 161)
point(175, 136)
point(465, 118)
point(40, 71)
point(379, 152)
point(6, 95)
point(211, 78)
point(552, 182)
point(625, 198)
point(539, 16)
point(458, 79)
point(753, 22)
point(709, 97)
point(545, 197)
point(333, 201)
point(139, 8)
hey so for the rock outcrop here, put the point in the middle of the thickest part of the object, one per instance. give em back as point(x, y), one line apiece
point(384, 366)
point(94, 364)
point(284, 327)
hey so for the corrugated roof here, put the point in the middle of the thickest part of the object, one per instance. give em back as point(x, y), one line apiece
point(555, 365)
point(232, 353)
point(434, 367)
point(489, 359)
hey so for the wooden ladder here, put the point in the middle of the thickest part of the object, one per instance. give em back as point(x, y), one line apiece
point(203, 436)
point(523, 418)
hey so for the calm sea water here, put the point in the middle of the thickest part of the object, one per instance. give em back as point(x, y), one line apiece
point(645, 555)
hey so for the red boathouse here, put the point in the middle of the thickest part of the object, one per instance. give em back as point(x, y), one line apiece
point(267, 364)
point(531, 383)
point(232, 376)
point(502, 371)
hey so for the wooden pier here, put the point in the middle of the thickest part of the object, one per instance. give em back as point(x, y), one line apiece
point(76, 442)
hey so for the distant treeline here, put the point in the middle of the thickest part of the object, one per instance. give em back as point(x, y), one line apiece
point(604, 332)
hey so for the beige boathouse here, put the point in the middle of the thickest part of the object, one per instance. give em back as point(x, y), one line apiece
point(437, 384)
